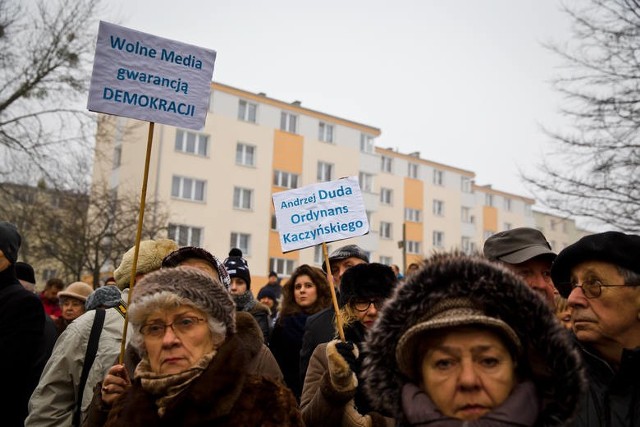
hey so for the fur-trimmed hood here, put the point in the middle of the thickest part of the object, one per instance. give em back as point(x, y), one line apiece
point(554, 362)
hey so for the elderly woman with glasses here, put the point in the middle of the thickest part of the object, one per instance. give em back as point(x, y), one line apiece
point(332, 394)
point(193, 370)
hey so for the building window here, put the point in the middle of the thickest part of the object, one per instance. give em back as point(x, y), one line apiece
point(325, 132)
point(318, 256)
point(412, 171)
point(465, 214)
point(284, 267)
point(386, 164)
point(486, 234)
point(245, 154)
point(413, 215)
point(192, 143)
point(325, 171)
point(385, 230)
point(247, 111)
point(366, 182)
point(285, 179)
point(507, 204)
point(527, 210)
point(386, 196)
point(242, 198)
point(507, 226)
point(465, 245)
point(413, 247)
point(438, 177)
point(188, 188)
point(185, 235)
point(241, 241)
point(117, 156)
point(366, 143)
point(488, 199)
point(288, 122)
point(438, 208)
point(438, 239)
point(465, 184)
point(386, 260)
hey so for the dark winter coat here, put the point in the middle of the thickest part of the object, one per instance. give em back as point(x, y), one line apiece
point(226, 394)
point(549, 358)
point(613, 397)
point(285, 344)
point(22, 342)
point(320, 328)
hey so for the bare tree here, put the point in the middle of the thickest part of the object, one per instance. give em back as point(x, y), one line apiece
point(594, 168)
point(45, 54)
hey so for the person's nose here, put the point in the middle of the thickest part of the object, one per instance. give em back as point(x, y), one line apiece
point(577, 298)
point(169, 337)
point(468, 379)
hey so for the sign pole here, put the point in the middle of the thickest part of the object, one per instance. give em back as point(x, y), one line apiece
point(325, 252)
point(134, 267)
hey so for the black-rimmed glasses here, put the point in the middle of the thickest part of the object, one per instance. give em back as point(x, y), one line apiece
point(364, 305)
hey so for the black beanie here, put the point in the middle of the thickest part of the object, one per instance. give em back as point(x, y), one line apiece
point(366, 281)
point(10, 241)
point(237, 266)
point(25, 272)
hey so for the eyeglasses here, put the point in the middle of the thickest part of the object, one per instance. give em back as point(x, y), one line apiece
point(364, 305)
point(180, 326)
point(592, 288)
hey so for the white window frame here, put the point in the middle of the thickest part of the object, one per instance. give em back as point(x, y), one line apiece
point(438, 239)
point(288, 122)
point(285, 179)
point(367, 143)
point(465, 244)
point(188, 185)
point(386, 164)
point(465, 184)
point(325, 171)
point(241, 241)
point(414, 247)
point(507, 226)
point(412, 170)
point(326, 132)
point(438, 207)
point(366, 182)
point(191, 143)
point(386, 260)
point(488, 199)
point(247, 111)
point(508, 204)
point(242, 198)
point(318, 255)
point(438, 177)
point(245, 154)
point(465, 214)
point(386, 230)
point(412, 215)
point(282, 266)
point(185, 235)
point(386, 196)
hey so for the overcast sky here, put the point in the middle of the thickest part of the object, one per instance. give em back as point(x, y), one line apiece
point(465, 83)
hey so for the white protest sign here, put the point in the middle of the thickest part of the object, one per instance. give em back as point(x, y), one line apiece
point(150, 78)
point(318, 213)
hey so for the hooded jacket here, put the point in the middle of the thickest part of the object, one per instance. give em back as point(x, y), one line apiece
point(549, 358)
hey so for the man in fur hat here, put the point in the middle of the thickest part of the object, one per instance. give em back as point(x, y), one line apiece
point(22, 321)
point(600, 277)
point(54, 400)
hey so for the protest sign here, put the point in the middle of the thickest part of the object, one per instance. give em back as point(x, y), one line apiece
point(319, 213)
point(150, 78)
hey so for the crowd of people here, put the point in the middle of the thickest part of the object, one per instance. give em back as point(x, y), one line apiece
point(515, 336)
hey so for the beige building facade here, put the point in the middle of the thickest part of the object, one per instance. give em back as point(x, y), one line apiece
point(218, 182)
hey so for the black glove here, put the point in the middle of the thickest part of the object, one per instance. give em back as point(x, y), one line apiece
point(349, 352)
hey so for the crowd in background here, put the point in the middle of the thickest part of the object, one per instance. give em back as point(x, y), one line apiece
point(515, 336)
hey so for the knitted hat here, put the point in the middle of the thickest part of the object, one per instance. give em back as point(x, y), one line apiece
point(77, 290)
point(178, 256)
point(25, 272)
point(237, 266)
point(150, 258)
point(106, 296)
point(364, 281)
point(267, 292)
point(204, 292)
point(345, 252)
point(612, 246)
point(517, 245)
point(10, 241)
point(447, 313)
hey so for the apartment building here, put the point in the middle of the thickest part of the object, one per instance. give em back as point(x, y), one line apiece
point(560, 231)
point(217, 182)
